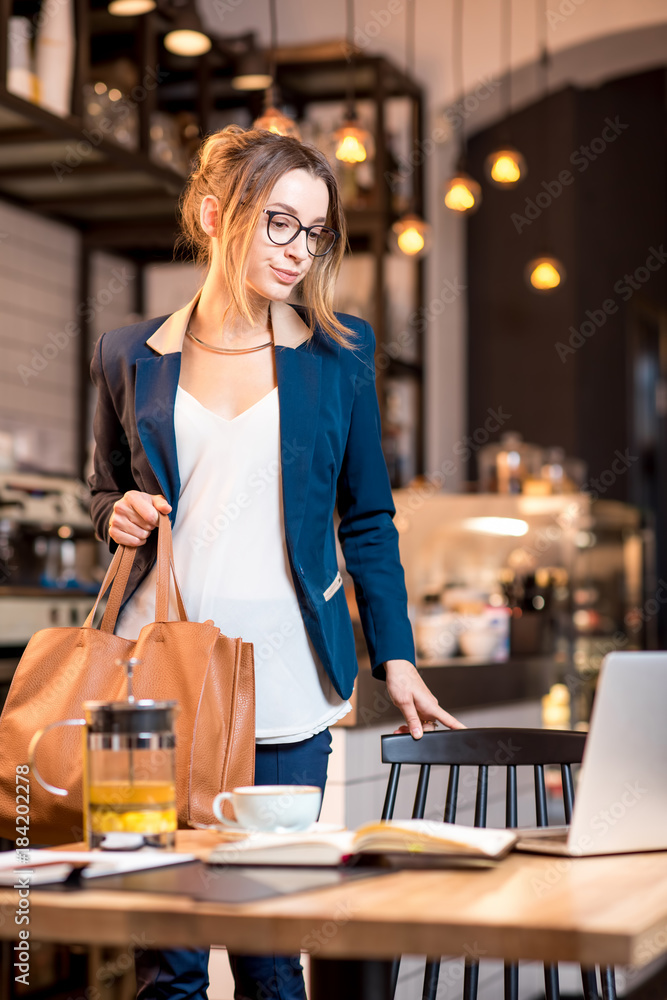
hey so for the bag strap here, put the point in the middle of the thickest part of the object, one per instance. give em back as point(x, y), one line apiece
point(117, 593)
point(118, 574)
point(166, 570)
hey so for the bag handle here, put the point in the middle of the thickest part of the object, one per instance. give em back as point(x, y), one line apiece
point(166, 570)
point(118, 574)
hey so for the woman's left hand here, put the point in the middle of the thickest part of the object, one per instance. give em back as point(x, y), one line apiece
point(414, 700)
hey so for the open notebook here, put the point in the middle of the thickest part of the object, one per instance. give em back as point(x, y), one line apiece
point(424, 840)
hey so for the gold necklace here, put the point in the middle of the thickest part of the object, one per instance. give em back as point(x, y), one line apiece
point(230, 350)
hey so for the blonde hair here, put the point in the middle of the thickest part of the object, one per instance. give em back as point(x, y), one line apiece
point(239, 168)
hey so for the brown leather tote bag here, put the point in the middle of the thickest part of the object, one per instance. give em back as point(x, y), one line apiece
point(210, 675)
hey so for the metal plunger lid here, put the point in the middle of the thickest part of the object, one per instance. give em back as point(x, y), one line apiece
point(130, 716)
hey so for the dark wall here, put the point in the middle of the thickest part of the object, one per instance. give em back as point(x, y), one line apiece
point(602, 226)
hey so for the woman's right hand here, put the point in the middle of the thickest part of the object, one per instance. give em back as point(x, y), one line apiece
point(134, 517)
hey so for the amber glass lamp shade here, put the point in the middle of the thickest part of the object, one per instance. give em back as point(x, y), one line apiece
point(544, 274)
point(354, 144)
point(505, 167)
point(463, 194)
point(412, 236)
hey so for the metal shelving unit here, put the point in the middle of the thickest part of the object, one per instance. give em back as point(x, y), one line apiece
point(125, 203)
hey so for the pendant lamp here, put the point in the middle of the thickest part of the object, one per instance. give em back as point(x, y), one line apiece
point(272, 118)
point(354, 143)
point(130, 8)
point(411, 234)
point(506, 166)
point(187, 36)
point(545, 273)
point(462, 193)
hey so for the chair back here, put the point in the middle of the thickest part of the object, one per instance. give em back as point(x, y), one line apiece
point(485, 749)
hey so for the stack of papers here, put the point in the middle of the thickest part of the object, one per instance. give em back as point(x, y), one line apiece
point(47, 866)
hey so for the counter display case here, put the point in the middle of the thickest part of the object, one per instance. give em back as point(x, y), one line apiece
point(571, 575)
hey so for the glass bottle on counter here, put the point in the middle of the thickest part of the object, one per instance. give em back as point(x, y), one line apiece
point(435, 636)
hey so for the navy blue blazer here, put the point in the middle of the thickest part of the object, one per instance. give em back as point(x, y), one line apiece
point(330, 455)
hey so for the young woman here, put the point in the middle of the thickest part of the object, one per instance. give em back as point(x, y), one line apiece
point(249, 420)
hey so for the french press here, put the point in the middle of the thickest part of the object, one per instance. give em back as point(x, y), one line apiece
point(129, 771)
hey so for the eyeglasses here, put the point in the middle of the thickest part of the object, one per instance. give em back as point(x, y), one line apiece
point(282, 228)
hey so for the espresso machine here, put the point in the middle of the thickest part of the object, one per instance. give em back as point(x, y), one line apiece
point(51, 563)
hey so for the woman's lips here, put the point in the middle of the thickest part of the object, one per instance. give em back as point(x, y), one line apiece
point(289, 277)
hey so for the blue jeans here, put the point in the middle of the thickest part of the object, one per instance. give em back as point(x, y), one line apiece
point(182, 974)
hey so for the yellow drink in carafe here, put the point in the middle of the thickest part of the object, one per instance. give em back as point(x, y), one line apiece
point(147, 807)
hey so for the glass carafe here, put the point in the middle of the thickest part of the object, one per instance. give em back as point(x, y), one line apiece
point(129, 773)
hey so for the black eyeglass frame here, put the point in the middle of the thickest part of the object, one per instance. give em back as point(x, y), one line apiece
point(305, 229)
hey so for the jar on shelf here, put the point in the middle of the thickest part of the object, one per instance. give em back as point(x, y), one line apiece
point(435, 632)
point(505, 465)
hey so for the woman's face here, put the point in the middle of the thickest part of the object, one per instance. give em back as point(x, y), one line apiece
point(273, 271)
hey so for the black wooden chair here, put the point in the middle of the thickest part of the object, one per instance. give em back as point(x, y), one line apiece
point(485, 748)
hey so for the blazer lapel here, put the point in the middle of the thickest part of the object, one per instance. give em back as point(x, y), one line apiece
point(299, 376)
point(155, 393)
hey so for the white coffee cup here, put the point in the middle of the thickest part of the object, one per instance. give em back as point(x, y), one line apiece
point(271, 808)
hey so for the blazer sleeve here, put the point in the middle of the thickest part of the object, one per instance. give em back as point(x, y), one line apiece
point(111, 476)
point(367, 533)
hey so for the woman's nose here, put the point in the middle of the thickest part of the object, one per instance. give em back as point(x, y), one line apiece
point(298, 248)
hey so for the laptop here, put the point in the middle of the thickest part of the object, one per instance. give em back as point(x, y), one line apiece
point(621, 800)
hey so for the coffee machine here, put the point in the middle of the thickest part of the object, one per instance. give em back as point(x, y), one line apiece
point(50, 559)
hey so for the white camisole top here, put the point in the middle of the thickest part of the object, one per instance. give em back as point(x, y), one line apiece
point(232, 563)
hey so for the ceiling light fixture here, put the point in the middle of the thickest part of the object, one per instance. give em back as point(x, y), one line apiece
point(272, 118)
point(354, 143)
point(545, 273)
point(506, 166)
point(462, 192)
point(411, 233)
point(187, 36)
point(130, 8)
point(253, 72)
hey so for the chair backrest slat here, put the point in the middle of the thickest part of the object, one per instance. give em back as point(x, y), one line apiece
point(452, 794)
point(568, 791)
point(422, 789)
point(540, 796)
point(511, 804)
point(392, 789)
point(482, 797)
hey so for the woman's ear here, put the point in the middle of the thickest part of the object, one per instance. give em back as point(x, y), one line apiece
point(208, 215)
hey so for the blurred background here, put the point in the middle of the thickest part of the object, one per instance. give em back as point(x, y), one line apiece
point(503, 168)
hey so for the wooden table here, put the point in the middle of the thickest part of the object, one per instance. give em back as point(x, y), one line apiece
point(596, 911)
